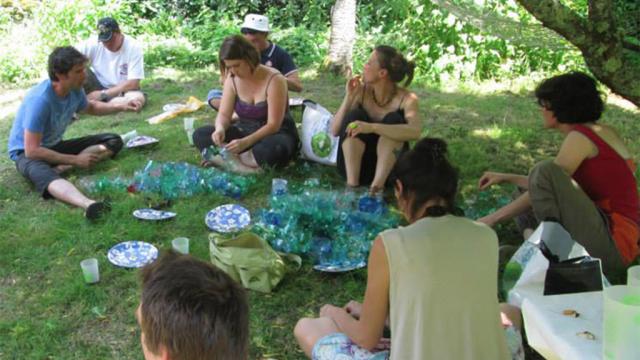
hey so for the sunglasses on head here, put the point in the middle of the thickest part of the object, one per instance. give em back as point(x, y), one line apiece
point(246, 31)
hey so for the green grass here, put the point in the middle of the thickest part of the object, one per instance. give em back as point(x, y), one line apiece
point(46, 311)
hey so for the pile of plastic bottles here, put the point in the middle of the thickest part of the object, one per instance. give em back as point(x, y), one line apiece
point(331, 227)
point(485, 202)
point(172, 180)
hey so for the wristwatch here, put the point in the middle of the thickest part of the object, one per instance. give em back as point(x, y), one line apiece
point(103, 95)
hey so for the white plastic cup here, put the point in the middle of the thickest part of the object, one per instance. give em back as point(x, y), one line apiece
point(90, 270)
point(128, 136)
point(278, 187)
point(181, 245)
point(633, 276)
point(621, 325)
point(188, 123)
point(190, 136)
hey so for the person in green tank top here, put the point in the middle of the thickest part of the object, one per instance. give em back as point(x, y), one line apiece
point(432, 283)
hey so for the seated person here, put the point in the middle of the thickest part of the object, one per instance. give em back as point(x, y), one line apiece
point(117, 66)
point(264, 134)
point(192, 310)
point(255, 29)
point(590, 186)
point(376, 120)
point(35, 141)
point(433, 282)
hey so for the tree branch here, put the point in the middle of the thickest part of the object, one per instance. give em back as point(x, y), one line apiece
point(556, 16)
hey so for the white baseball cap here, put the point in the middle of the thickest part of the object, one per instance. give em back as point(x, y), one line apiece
point(256, 22)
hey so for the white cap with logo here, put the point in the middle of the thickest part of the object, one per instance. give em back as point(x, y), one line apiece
point(256, 22)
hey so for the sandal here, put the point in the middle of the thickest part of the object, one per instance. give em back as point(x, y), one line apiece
point(96, 210)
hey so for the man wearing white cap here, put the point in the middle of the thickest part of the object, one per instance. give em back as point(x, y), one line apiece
point(255, 28)
point(117, 66)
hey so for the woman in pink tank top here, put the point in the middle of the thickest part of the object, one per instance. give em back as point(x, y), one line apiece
point(589, 187)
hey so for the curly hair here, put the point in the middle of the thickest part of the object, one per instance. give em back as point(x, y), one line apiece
point(574, 98)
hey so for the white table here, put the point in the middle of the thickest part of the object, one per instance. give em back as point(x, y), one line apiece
point(553, 334)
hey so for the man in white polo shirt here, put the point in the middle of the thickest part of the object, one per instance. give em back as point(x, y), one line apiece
point(117, 66)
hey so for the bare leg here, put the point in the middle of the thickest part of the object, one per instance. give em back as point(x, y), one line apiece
point(387, 156)
point(63, 190)
point(353, 149)
point(308, 331)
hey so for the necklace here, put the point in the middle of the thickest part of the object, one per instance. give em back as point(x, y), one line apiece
point(383, 103)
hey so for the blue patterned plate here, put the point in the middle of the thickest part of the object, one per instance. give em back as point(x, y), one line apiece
point(337, 268)
point(153, 214)
point(132, 254)
point(228, 218)
point(141, 140)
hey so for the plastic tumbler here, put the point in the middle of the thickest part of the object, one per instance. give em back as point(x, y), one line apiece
point(278, 187)
point(633, 276)
point(181, 245)
point(90, 270)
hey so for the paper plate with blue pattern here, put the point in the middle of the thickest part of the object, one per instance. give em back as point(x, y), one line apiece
point(338, 268)
point(132, 254)
point(153, 214)
point(228, 218)
point(141, 140)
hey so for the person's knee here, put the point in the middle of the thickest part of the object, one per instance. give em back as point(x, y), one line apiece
point(541, 173)
point(302, 328)
point(202, 137)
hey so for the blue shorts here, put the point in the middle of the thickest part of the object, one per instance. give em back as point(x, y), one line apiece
point(338, 346)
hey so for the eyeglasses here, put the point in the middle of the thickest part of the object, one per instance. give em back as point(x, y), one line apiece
point(246, 31)
point(543, 104)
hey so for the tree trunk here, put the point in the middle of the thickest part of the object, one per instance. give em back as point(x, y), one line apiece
point(343, 35)
point(599, 40)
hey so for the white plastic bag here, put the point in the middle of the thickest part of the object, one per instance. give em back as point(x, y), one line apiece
point(317, 142)
point(534, 264)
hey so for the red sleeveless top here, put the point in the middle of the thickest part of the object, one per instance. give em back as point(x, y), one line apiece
point(608, 180)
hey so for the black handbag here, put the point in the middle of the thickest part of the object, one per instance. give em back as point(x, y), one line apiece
point(575, 275)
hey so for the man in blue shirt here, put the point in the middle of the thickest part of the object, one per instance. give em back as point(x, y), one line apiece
point(35, 141)
point(255, 28)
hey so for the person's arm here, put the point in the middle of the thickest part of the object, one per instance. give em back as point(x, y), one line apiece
point(225, 112)
point(293, 82)
point(575, 148)
point(412, 130)
point(490, 178)
point(509, 211)
point(353, 90)
point(277, 106)
point(122, 87)
point(33, 150)
point(102, 108)
point(367, 330)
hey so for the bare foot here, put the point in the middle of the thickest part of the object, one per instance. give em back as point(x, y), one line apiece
point(233, 164)
point(216, 161)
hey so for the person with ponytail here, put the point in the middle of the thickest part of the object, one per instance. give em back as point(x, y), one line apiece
point(376, 120)
point(433, 282)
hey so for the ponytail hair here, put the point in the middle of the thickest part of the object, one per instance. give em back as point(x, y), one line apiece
point(426, 174)
point(395, 63)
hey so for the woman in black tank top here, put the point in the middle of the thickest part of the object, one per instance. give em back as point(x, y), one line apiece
point(376, 120)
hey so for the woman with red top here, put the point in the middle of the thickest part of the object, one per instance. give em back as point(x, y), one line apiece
point(589, 187)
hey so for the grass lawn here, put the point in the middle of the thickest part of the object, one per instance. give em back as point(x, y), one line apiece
point(46, 311)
